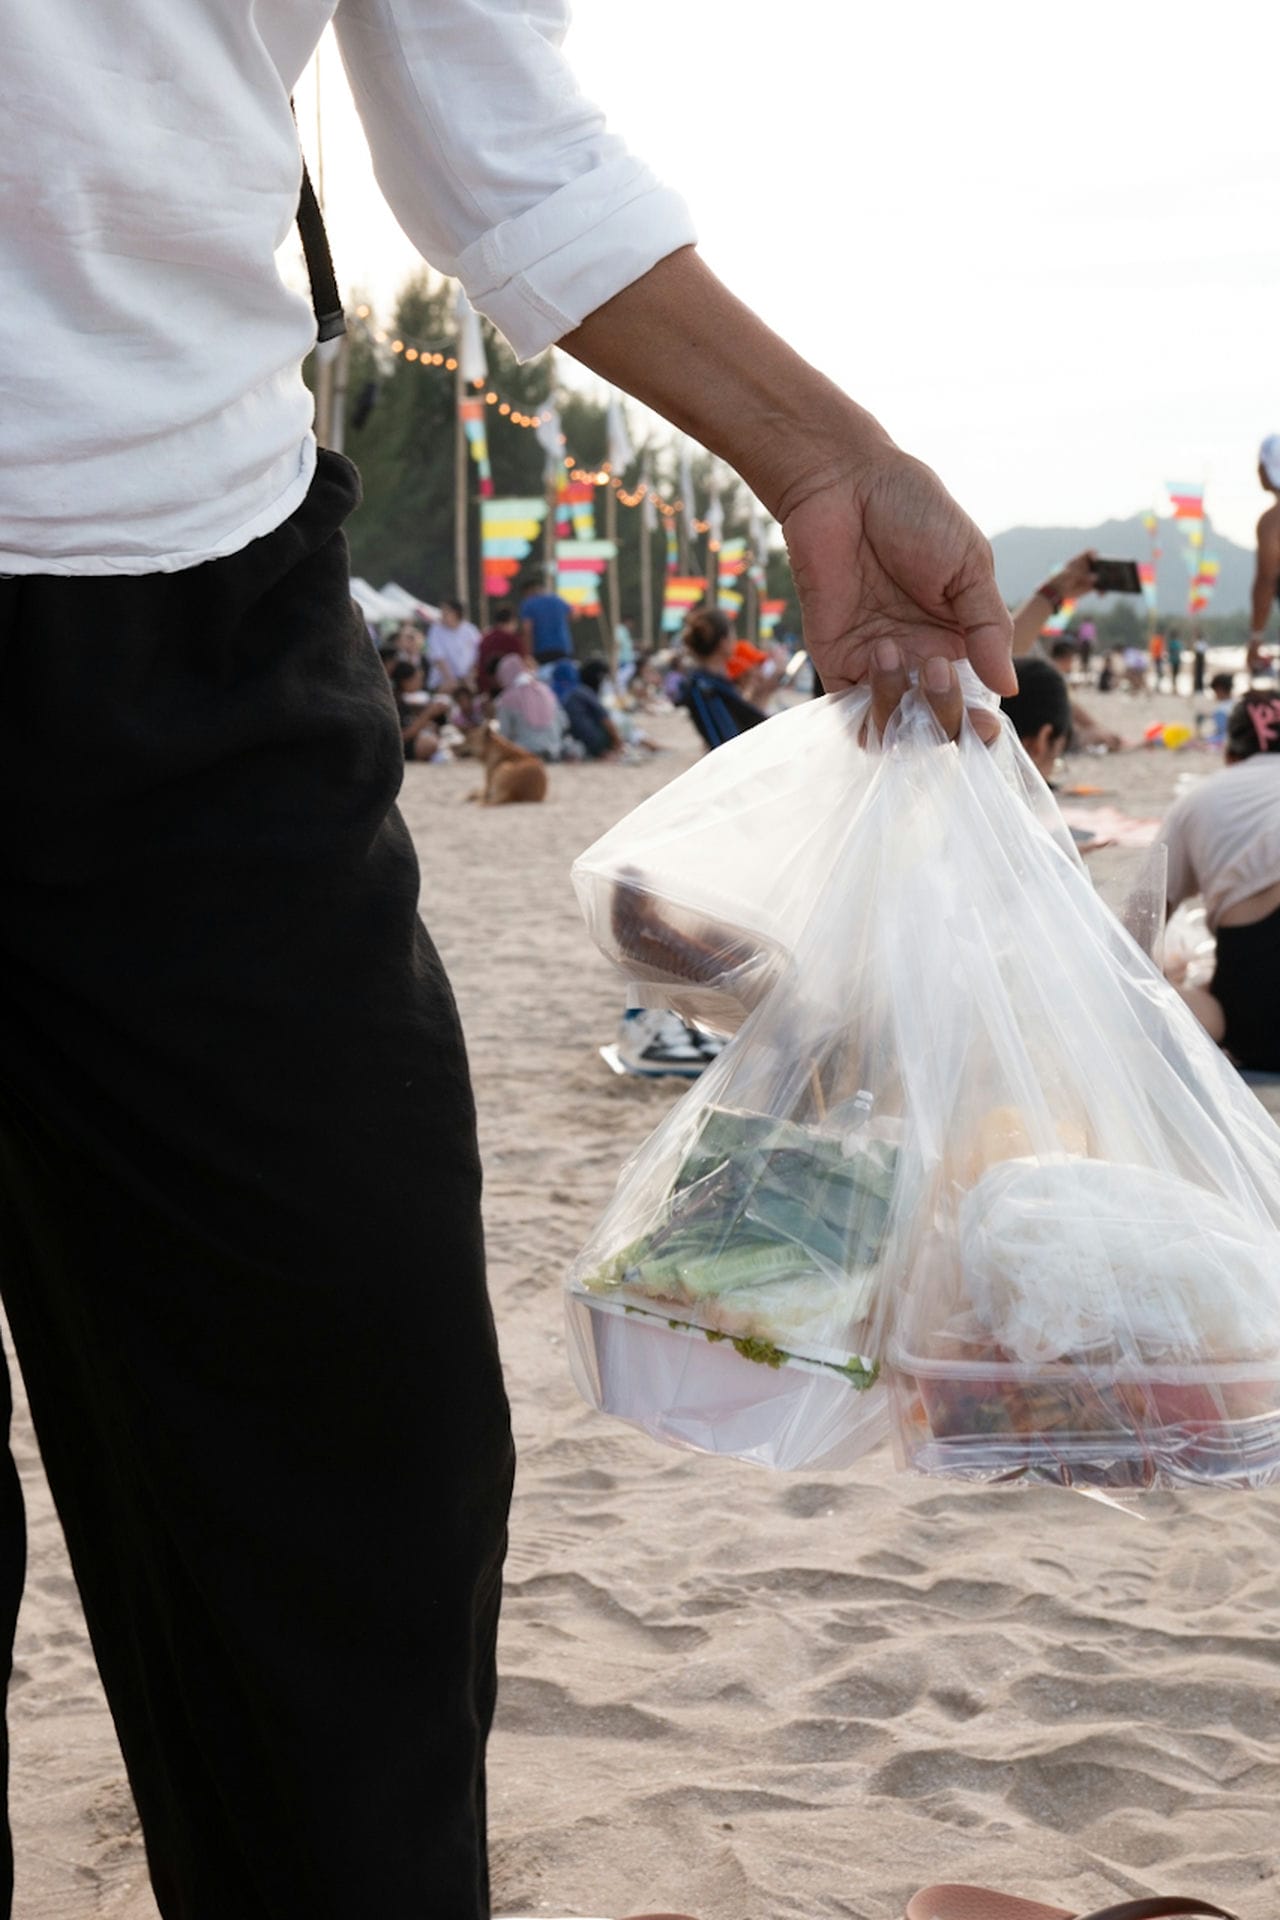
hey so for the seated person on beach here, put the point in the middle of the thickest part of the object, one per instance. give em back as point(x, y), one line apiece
point(505, 636)
point(1065, 655)
point(527, 711)
point(714, 704)
point(1222, 687)
point(1135, 669)
point(1223, 840)
point(598, 684)
point(1040, 711)
point(452, 645)
point(420, 716)
point(753, 671)
point(589, 720)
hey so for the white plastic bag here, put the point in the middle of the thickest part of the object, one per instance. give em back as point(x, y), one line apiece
point(699, 895)
point(968, 1160)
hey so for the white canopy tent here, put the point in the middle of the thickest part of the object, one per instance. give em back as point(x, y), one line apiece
point(390, 602)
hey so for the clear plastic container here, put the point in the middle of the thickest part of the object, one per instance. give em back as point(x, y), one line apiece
point(699, 1389)
point(967, 1412)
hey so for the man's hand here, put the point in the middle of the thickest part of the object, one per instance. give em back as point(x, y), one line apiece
point(941, 688)
point(880, 549)
point(882, 554)
point(1073, 581)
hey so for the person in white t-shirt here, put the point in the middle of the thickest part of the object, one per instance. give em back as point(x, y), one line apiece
point(258, 1347)
point(1223, 841)
point(453, 645)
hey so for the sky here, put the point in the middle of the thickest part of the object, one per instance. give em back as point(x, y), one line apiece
point(1041, 243)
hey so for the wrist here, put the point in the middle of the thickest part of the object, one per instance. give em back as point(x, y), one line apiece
point(683, 344)
point(1052, 592)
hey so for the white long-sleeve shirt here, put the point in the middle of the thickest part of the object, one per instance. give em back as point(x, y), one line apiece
point(152, 410)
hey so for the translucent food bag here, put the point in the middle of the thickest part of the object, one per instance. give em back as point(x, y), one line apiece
point(1087, 1282)
point(725, 1300)
point(969, 1163)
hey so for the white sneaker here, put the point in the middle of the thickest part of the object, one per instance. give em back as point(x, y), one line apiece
point(655, 1041)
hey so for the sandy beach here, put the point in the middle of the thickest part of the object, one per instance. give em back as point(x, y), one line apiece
point(740, 1695)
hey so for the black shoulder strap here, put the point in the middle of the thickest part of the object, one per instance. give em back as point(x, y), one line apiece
point(326, 301)
point(331, 321)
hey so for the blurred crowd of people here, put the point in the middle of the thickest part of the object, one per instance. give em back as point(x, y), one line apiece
point(521, 676)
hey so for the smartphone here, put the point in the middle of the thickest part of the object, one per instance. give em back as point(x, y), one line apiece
point(1116, 576)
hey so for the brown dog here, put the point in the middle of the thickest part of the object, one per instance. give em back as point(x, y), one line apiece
point(509, 772)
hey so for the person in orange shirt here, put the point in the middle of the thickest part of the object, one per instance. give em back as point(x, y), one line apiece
point(1158, 659)
point(752, 671)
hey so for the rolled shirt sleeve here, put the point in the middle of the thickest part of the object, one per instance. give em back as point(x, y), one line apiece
point(499, 170)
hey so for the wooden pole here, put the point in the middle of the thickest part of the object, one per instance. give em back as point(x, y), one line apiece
point(646, 569)
point(615, 604)
point(338, 404)
point(549, 530)
point(460, 453)
point(713, 573)
point(753, 609)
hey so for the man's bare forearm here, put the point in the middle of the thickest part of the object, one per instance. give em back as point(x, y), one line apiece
point(1264, 589)
point(684, 345)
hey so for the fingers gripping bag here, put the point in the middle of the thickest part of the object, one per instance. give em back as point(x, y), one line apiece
point(969, 1168)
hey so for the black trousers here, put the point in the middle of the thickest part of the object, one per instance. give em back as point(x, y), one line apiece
point(240, 1242)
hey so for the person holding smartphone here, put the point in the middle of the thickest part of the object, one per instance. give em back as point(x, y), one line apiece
point(1071, 582)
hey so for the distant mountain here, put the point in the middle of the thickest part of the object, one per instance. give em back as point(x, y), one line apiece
point(1027, 555)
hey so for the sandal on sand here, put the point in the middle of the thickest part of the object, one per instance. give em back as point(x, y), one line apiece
point(980, 1903)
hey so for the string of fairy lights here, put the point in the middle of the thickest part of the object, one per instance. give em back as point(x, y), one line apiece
point(422, 354)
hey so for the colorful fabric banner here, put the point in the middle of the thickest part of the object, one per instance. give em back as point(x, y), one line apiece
point(673, 544)
point(1186, 499)
point(579, 565)
point(1188, 511)
point(508, 529)
point(729, 601)
point(1202, 586)
point(771, 611)
point(682, 591)
point(580, 557)
point(1059, 621)
point(733, 559)
point(472, 413)
point(1147, 579)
